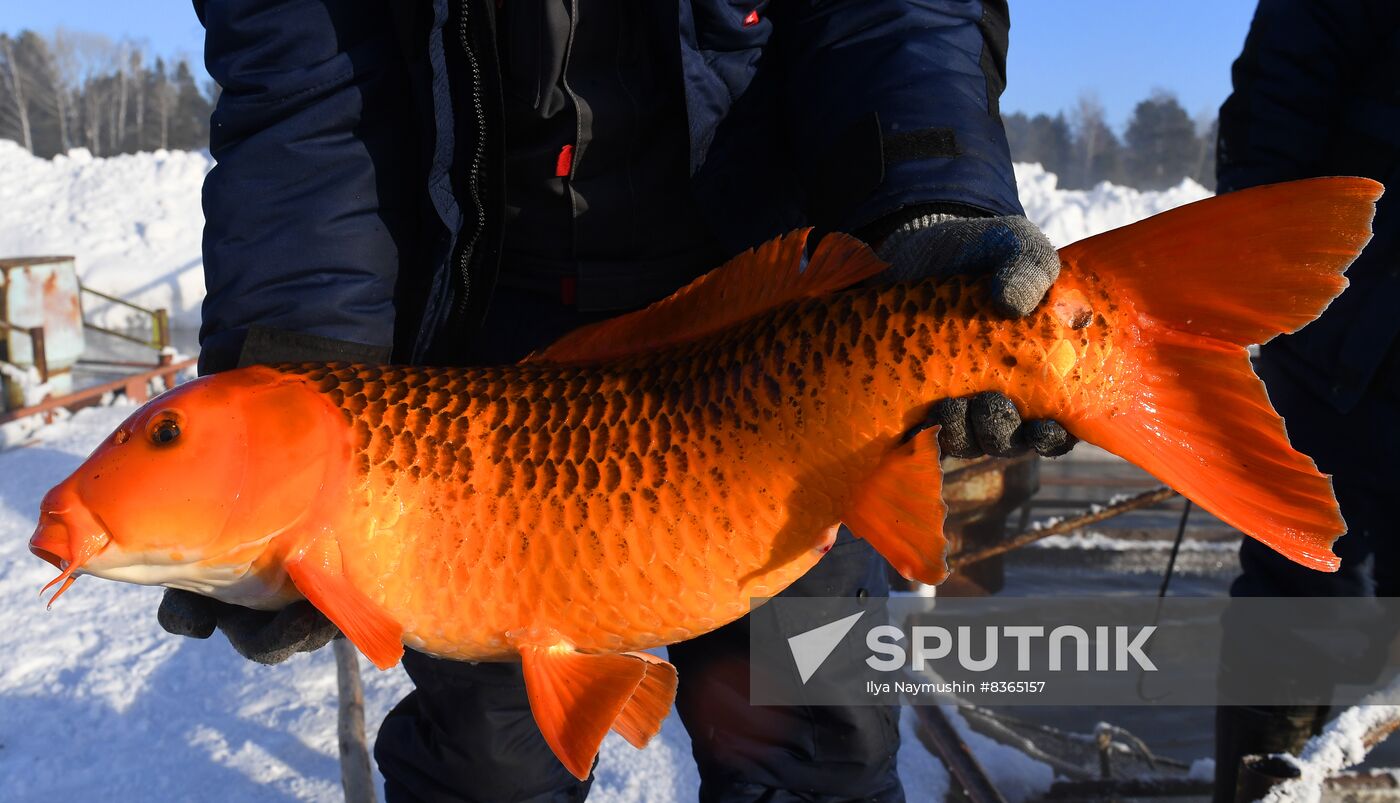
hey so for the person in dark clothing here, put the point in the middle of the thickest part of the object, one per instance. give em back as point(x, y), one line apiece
point(1316, 93)
point(461, 182)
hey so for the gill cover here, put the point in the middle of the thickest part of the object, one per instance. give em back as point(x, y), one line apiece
point(209, 471)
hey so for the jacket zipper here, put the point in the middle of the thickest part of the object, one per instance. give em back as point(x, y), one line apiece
point(467, 249)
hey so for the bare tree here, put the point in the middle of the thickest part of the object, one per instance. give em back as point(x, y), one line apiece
point(138, 70)
point(163, 98)
point(81, 88)
point(12, 72)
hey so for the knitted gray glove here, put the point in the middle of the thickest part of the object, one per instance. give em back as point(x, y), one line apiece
point(1022, 264)
point(268, 637)
point(1021, 261)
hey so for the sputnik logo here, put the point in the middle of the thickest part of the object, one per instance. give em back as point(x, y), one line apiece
point(811, 649)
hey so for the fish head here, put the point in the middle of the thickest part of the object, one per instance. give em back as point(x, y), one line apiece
point(195, 488)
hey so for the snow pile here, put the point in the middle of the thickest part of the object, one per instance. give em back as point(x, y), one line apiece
point(1343, 744)
point(31, 386)
point(133, 222)
point(1069, 215)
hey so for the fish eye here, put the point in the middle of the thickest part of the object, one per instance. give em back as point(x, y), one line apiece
point(164, 430)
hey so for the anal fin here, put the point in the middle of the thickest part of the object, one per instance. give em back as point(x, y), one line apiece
point(899, 509)
point(643, 714)
point(319, 577)
point(577, 697)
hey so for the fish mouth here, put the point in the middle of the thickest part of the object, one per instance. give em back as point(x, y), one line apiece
point(67, 538)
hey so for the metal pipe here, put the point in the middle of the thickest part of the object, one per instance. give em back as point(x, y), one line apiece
point(966, 773)
point(144, 341)
point(90, 396)
point(1144, 499)
point(355, 776)
point(39, 352)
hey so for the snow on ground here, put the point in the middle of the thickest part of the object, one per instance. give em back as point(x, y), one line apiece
point(96, 701)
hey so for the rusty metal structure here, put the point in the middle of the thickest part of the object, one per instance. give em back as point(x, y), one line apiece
point(43, 336)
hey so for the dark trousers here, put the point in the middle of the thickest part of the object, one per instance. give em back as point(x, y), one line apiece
point(1359, 448)
point(466, 732)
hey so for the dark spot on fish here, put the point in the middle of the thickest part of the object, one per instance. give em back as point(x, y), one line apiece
point(1009, 361)
point(773, 389)
point(589, 477)
point(897, 348)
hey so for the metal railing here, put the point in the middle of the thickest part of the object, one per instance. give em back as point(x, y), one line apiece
point(160, 320)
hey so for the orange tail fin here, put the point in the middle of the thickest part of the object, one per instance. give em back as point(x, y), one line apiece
point(1207, 280)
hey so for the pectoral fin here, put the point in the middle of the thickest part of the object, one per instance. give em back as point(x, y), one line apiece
point(576, 698)
point(317, 574)
point(899, 509)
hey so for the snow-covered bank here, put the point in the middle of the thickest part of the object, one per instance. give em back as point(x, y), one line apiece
point(134, 223)
point(1069, 215)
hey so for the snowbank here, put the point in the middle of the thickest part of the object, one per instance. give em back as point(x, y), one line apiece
point(134, 223)
point(1069, 215)
point(1343, 744)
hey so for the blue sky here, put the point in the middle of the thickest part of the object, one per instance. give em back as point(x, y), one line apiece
point(1119, 49)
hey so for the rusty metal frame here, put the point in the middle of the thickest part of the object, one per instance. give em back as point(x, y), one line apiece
point(36, 346)
point(133, 386)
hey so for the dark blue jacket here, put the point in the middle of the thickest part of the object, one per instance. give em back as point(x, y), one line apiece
point(358, 193)
point(1317, 92)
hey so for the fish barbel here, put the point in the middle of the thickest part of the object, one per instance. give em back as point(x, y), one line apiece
point(640, 481)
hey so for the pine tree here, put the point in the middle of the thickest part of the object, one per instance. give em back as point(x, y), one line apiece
point(1097, 154)
point(190, 125)
point(1162, 143)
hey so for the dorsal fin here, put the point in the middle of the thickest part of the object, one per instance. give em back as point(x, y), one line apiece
point(747, 285)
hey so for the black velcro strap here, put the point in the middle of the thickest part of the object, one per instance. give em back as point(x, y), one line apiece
point(854, 167)
point(264, 345)
point(928, 143)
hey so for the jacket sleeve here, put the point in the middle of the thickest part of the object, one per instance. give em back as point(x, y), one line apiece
point(894, 103)
point(307, 201)
point(1291, 85)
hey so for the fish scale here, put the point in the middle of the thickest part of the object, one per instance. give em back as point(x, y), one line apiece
point(624, 473)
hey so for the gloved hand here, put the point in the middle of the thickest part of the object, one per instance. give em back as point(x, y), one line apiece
point(1021, 264)
point(268, 637)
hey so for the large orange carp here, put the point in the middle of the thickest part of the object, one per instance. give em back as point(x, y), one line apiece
point(637, 483)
